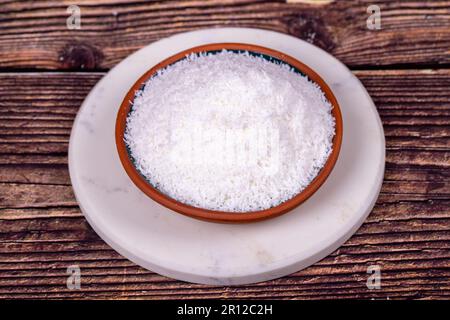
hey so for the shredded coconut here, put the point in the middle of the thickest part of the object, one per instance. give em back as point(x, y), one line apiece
point(230, 131)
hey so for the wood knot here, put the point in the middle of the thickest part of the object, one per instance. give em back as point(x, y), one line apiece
point(311, 29)
point(80, 56)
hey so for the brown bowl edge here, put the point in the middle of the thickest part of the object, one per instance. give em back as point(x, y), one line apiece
point(223, 216)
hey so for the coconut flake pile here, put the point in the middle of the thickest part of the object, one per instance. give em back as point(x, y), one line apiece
point(230, 131)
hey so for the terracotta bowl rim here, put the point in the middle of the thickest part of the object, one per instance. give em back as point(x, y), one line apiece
point(222, 216)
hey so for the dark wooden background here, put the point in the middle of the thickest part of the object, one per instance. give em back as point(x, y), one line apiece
point(47, 70)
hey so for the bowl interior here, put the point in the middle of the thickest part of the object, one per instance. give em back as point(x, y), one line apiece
point(146, 186)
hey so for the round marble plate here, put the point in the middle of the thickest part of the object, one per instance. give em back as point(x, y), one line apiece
point(183, 248)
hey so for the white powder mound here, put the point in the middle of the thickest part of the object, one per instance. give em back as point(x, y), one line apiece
point(230, 131)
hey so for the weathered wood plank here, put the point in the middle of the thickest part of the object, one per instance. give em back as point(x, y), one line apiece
point(35, 35)
point(344, 269)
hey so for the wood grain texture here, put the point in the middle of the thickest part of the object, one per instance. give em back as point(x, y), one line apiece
point(34, 35)
point(42, 231)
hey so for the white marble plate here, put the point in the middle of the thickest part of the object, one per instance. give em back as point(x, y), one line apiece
point(203, 252)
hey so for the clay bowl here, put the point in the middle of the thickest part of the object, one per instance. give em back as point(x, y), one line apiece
point(221, 216)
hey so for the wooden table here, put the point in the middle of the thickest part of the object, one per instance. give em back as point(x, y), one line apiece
point(47, 70)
